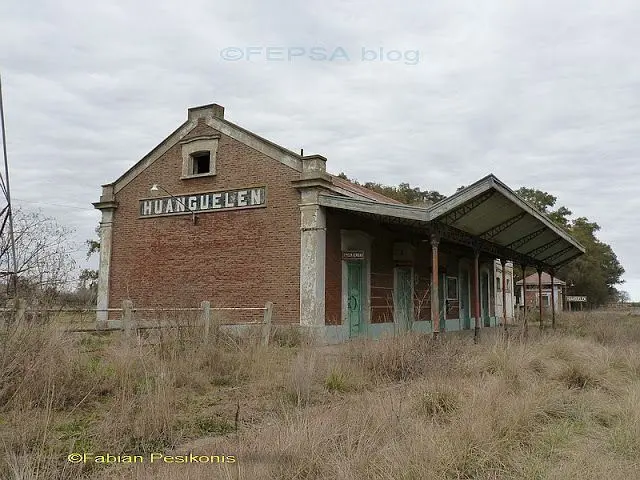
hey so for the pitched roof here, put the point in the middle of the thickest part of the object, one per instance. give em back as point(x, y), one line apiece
point(361, 191)
point(546, 280)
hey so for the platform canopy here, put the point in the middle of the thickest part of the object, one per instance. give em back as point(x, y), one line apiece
point(487, 216)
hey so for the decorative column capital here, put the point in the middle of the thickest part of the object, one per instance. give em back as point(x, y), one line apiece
point(435, 239)
point(476, 245)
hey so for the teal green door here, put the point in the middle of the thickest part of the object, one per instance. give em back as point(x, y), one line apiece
point(465, 316)
point(484, 295)
point(354, 298)
point(404, 299)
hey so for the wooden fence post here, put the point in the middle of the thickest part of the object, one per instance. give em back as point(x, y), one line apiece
point(127, 317)
point(205, 316)
point(266, 324)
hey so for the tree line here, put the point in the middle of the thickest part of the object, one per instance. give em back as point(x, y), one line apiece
point(597, 274)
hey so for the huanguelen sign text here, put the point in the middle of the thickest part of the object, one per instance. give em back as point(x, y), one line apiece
point(204, 202)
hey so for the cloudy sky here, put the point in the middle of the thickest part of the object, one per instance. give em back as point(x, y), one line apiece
point(437, 94)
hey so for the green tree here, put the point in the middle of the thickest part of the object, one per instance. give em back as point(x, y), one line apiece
point(544, 202)
point(597, 272)
point(404, 192)
point(88, 278)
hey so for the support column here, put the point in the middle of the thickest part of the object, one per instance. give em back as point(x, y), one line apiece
point(435, 292)
point(476, 295)
point(312, 264)
point(503, 263)
point(540, 295)
point(553, 301)
point(313, 245)
point(102, 302)
point(525, 322)
point(107, 205)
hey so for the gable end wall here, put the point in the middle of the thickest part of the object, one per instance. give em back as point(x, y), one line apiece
point(231, 258)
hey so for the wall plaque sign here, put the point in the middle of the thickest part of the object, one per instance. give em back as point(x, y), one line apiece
point(353, 255)
point(204, 202)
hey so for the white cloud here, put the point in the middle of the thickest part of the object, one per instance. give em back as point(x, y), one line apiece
point(543, 94)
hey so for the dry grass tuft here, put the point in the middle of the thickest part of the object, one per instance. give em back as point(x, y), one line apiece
point(558, 405)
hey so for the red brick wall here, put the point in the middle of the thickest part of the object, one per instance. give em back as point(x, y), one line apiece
point(531, 296)
point(422, 288)
point(333, 270)
point(382, 266)
point(233, 258)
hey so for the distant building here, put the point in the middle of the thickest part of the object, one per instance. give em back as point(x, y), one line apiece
point(531, 295)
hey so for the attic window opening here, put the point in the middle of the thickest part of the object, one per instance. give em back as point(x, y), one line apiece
point(201, 162)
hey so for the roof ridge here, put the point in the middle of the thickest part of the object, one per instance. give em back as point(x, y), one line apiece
point(366, 192)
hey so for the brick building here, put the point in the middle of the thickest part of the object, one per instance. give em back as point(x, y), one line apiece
point(531, 293)
point(217, 213)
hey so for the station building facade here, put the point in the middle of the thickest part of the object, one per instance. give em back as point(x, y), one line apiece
point(216, 212)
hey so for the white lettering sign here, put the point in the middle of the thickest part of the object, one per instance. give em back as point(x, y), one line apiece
point(578, 298)
point(242, 198)
point(204, 202)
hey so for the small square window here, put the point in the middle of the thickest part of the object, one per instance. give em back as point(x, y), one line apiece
point(201, 163)
point(199, 156)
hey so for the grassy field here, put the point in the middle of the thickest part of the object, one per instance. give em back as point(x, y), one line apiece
point(561, 404)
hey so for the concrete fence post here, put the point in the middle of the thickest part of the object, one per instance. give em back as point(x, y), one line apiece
point(11, 311)
point(19, 307)
point(266, 324)
point(127, 317)
point(205, 316)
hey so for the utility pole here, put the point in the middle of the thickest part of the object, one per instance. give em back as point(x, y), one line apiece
point(7, 193)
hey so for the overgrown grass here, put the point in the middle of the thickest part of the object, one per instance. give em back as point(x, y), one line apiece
point(558, 404)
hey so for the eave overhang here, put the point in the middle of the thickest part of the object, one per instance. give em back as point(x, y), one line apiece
point(487, 216)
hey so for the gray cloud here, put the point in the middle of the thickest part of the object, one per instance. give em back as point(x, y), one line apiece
point(542, 95)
